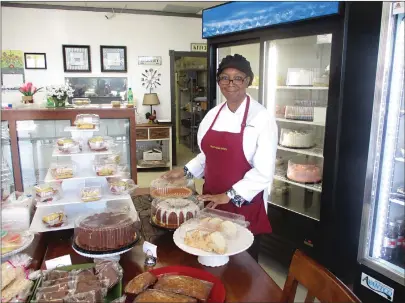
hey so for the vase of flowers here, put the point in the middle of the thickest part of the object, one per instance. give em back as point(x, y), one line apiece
point(28, 90)
point(59, 94)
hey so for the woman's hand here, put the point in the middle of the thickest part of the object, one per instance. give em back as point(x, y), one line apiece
point(174, 174)
point(214, 200)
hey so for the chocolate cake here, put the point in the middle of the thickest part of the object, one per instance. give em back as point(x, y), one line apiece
point(105, 231)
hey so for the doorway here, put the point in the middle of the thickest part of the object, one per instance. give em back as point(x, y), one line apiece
point(188, 75)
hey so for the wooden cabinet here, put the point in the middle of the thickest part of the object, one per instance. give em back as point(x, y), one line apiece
point(148, 136)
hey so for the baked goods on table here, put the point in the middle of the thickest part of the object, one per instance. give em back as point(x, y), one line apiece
point(130, 105)
point(172, 212)
point(207, 241)
point(296, 139)
point(184, 285)
point(304, 172)
point(303, 113)
point(62, 171)
point(140, 283)
point(118, 186)
point(164, 188)
point(87, 121)
point(157, 296)
point(81, 285)
point(53, 220)
point(48, 192)
point(105, 231)
point(92, 193)
point(168, 288)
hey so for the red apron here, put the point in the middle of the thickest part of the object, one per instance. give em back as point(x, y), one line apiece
point(225, 165)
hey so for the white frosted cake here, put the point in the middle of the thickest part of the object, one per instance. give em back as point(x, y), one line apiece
point(296, 139)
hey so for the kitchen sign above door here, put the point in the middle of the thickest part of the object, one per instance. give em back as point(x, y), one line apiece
point(198, 47)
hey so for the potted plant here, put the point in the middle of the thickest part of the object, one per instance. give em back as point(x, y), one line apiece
point(59, 94)
point(28, 91)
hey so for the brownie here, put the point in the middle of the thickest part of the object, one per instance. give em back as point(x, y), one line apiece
point(157, 296)
point(140, 283)
point(110, 274)
point(54, 288)
point(85, 297)
point(55, 274)
point(185, 285)
point(51, 296)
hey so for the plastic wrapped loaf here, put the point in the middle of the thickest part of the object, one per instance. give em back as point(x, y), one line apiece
point(163, 188)
point(109, 272)
point(81, 101)
point(87, 121)
point(63, 171)
point(48, 192)
point(105, 231)
point(118, 186)
point(69, 145)
point(100, 143)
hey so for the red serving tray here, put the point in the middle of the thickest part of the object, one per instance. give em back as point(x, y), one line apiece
point(218, 292)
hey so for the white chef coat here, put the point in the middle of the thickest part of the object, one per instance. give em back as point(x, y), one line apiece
point(259, 146)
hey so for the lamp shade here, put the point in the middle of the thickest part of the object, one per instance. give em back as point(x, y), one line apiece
point(150, 99)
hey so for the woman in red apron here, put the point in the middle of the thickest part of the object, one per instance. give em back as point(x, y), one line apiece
point(225, 161)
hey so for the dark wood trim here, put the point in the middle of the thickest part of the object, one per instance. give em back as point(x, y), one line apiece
point(102, 61)
point(15, 154)
point(173, 54)
point(262, 69)
point(25, 60)
point(212, 79)
point(97, 9)
point(64, 47)
point(14, 115)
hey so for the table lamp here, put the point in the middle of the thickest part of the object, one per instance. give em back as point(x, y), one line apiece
point(150, 99)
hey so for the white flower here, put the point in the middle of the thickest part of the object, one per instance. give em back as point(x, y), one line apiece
point(60, 91)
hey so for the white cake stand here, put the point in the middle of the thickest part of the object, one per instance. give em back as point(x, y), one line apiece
point(111, 256)
point(242, 242)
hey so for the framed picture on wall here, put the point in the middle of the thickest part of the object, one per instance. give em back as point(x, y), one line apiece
point(35, 60)
point(113, 58)
point(76, 58)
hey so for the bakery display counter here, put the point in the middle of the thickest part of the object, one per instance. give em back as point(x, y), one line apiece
point(252, 285)
point(33, 133)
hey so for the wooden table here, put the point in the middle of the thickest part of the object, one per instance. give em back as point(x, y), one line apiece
point(244, 279)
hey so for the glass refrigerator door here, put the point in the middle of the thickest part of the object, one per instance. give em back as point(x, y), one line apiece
point(382, 246)
point(296, 91)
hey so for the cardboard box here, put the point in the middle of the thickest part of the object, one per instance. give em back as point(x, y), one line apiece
point(153, 154)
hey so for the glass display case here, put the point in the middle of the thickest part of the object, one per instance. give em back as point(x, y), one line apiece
point(34, 143)
point(296, 91)
point(382, 246)
point(7, 180)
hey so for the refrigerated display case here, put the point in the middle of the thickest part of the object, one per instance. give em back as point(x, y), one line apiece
point(381, 255)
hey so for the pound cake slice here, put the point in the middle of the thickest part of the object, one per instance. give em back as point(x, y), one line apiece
point(158, 296)
point(140, 283)
point(185, 285)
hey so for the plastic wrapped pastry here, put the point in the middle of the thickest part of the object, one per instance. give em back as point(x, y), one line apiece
point(110, 273)
point(92, 193)
point(87, 121)
point(48, 192)
point(120, 186)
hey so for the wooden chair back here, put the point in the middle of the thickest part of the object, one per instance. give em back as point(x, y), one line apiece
point(319, 282)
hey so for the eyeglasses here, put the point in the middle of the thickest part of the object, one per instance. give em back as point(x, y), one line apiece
point(224, 80)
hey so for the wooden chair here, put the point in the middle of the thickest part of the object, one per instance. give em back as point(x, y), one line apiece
point(319, 282)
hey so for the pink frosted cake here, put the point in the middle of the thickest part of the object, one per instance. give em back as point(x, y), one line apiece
point(304, 173)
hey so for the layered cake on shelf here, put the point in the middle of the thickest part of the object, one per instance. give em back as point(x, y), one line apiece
point(172, 212)
point(301, 172)
point(304, 113)
point(296, 139)
point(105, 231)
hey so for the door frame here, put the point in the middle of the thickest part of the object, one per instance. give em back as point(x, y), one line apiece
point(173, 54)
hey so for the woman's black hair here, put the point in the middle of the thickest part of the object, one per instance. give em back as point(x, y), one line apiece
point(238, 62)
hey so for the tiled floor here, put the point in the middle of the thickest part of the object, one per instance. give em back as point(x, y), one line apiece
point(273, 269)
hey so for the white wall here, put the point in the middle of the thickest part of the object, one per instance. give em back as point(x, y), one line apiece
point(37, 30)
